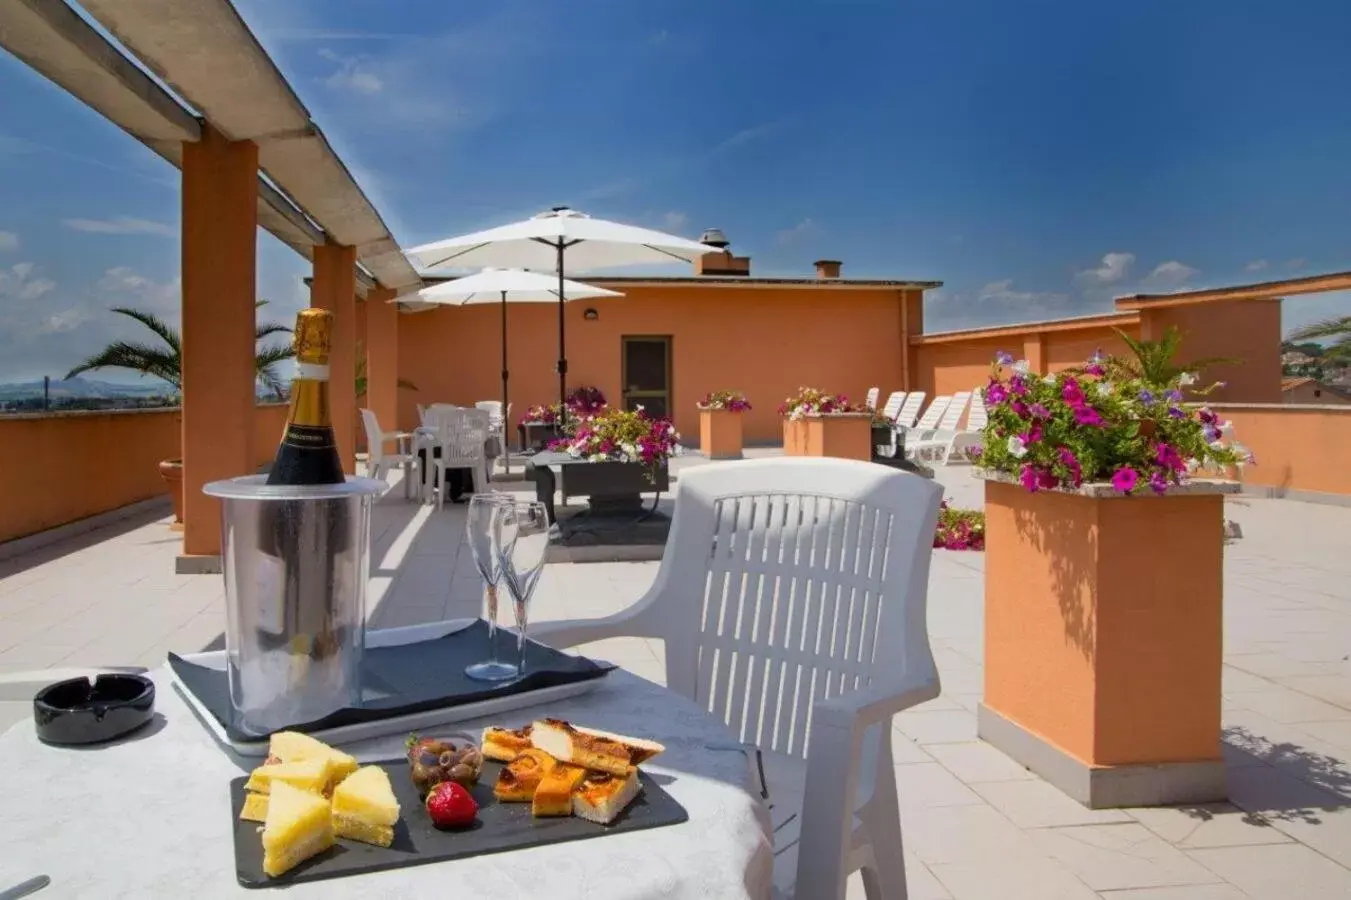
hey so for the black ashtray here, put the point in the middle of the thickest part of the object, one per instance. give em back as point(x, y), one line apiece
point(80, 711)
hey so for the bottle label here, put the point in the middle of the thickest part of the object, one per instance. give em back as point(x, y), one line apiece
point(311, 437)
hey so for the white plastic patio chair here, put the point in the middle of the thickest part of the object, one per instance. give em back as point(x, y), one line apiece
point(871, 400)
point(460, 434)
point(892, 408)
point(421, 414)
point(497, 421)
point(909, 412)
point(944, 446)
point(796, 614)
point(947, 423)
point(378, 462)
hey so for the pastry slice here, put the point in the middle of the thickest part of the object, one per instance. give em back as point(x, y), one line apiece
point(298, 825)
point(292, 746)
point(601, 797)
point(255, 808)
point(503, 744)
point(521, 776)
point(311, 775)
point(365, 808)
point(590, 749)
point(553, 797)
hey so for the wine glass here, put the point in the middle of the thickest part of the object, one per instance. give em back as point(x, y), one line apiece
point(482, 535)
point(522, 545)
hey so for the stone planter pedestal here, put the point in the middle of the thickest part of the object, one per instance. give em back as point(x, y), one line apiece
point(720, 433)
point(171, 470)
point(846, 435)
point(1104, 639)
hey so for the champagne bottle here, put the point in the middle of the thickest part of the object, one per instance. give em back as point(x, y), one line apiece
point(309, 450)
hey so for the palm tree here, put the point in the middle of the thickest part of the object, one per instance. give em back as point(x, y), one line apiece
point(1337, 328)
point(166, 361)
point(361, 373)
point(1153, 361)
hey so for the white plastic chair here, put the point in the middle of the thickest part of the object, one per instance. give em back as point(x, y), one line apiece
point(796, 614)
point(909, 412)
point(378, 462)
point(893, 405)
point(947, 423)
point(945, 446)
point(421, 414)
point(460, 434)
point(871, 400)
point(497, 421)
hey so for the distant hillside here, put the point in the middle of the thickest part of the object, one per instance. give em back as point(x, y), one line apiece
point(82, 387)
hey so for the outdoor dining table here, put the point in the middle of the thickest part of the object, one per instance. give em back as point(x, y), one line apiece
point(150, 815)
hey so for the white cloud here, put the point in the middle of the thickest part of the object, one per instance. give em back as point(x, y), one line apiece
point(1168, 275)
point(9, 241)
point(354, 73)
point(1002, 292)
point(124, 286)
point(66, 320)
point(1256, 265)
point(121, 225)
point(675, 220)
point(797, 232)
point(17, 284)
point(1296, 263)
point(1115, 266)
point(748, 135)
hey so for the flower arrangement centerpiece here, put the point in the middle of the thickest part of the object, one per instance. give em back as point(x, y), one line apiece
point(585, 401)
point(1101, 422)
point(732, 401)
point(542, 415)
point(617, 435)
point(810, 401)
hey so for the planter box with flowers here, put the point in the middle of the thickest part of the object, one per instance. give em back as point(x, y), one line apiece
point(817, 423)
point(625, 453)
point(720, 434)
point(1104, 584)
point(542, 425)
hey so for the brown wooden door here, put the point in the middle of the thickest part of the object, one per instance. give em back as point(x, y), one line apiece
point(646, 372)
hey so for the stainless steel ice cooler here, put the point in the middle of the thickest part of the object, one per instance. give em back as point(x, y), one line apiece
point(296, 563)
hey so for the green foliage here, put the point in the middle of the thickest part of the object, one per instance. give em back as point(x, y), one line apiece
point(165, 360)
point(1333, 336)
point(1154, 362)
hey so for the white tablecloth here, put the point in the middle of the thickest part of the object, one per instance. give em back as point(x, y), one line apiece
point(150, 817)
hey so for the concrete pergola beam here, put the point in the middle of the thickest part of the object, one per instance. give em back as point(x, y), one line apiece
point(207, 54)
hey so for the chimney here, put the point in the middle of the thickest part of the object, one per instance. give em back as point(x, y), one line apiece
point(828, 268)
point(720, 261)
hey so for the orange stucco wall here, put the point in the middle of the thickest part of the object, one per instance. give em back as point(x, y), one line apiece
point(63, 467)
point(1248, 331)
point(1298, 448)
point(766, 342)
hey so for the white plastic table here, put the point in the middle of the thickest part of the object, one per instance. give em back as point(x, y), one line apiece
point(150, 816)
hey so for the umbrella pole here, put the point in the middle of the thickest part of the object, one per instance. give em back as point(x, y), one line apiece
point(506, 425)
point(562, 344)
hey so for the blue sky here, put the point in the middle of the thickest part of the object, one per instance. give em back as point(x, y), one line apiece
point(1039, 157)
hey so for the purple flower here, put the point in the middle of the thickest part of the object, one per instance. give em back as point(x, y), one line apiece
point(1173, 395)
point(1018, 385)
point(1094, 369)
point(1020, 408)
point(1071, 462)
point(1211, 432)
point(995, 393)
point(1039, 412)
point(1047, 479)
point(1003, 358)
point(1072, 393)
point(1169, 458)
point(1177, 412)
point(1032, 435)
point(1158, 482)
point(1124, 479)
point(1087, 415)
point(1146, 397)
point(1205, 415)
point(1029, 477)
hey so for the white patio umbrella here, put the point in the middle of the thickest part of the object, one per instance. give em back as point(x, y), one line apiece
point(560, 238)
point(507, 286)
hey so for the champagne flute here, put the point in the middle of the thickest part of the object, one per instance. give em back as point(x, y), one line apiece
point(523, 545)
point(482, 535)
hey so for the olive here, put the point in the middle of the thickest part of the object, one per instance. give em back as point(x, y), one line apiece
point(461, 773)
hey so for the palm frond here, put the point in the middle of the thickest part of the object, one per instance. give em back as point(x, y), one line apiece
point(267, 329)
point(134, 357)
point(405, 383)
point(269, 356)
point(166, 333)
point(1335, 327)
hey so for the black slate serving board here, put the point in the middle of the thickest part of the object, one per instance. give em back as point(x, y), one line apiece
point(500, 827)
point(409, 678)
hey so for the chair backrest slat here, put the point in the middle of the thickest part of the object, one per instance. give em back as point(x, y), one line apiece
point(935, 410)
point(977, 418)
point(803, 592)
point(871, 400)
point(910, 409)
point(893, 406)
point(952, 416)
point(375, 448)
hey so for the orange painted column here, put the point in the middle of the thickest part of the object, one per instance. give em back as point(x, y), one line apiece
point(382, 357)
point(1033, 352)
point(335, 288)
point(220, 229)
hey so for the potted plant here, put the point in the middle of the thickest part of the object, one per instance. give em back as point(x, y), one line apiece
point(720, 433)
point(163, 360)
point(1103, 582)
point(819, 423)
point(628, 452)
point(541, 426)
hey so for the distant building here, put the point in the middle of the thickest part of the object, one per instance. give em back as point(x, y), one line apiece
point(1295, 358)
point(1311, 390)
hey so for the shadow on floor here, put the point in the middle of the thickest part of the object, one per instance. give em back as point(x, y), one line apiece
point(28, 559)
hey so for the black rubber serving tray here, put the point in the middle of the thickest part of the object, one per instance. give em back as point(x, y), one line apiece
point(408, 678)
point(500, 827)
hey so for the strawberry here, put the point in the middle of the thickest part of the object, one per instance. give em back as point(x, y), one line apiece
point(451, 806)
